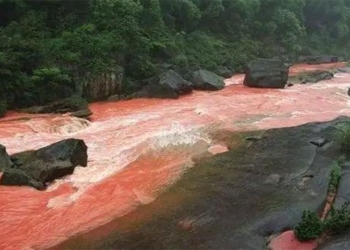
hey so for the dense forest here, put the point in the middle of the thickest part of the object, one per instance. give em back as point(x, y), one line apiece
point(49, 48)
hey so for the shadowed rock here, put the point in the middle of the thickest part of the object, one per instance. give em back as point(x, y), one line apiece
point(224, 71)
point(266, 73)
point(38, 167)
point(167, 85)
point(74, 104)
point(5, 160)
point(206, 80)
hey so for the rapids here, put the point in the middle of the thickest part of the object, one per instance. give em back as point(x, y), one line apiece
point(139, 147)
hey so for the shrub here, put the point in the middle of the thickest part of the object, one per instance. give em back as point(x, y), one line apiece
point(338, 220)
point(344, 138)
point(335, 176)
point(310, 228)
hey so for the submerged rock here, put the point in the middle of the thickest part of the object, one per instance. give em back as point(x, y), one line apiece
point(38, 167)
point(72, 104)
point(313, 76)
point(318, 59)
point(206, 80)
point(84, 113)
point(266, 73)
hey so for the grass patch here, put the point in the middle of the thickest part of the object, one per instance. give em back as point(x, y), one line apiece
point(310, 227)
point(344, 137)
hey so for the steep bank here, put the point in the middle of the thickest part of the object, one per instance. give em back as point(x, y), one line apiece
point(123, 173)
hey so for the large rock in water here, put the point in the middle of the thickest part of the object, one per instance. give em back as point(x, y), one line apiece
point(206, 80)
point(266, 73)
point(167, 85)
point(38, 167)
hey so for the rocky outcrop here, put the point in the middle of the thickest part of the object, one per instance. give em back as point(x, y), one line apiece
point(206, 80)
point(38, 167)
point(5, 160)
point(75, 105)
point(102, 86)
point(266, 73)
point(319, 59)
point(224, 71)
point(167, 85)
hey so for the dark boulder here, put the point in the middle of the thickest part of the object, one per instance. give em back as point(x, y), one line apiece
point(318, 59)
point(167, 85)
point(266, 73)
point(46, 164)
point(17, 177)
point(5, 160)
point(206, 80)
point(224, 71)
point(67, 105)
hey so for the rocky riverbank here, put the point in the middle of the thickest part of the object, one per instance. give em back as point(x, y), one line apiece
point(239, 199)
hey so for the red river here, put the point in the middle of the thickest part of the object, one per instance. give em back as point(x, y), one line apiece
point(139, 147)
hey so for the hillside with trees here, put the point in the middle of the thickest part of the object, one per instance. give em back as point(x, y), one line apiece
point(52, 49)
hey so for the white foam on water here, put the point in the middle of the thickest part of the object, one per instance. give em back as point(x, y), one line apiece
point(100, 169)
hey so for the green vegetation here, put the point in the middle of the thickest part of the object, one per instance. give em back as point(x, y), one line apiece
point(334, 179)
point(311, 226)
point(338, 220)
point(344, 137)
point(49, 48)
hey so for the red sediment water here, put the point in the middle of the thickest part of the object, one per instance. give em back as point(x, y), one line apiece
point(288, 241)
point(138, 147)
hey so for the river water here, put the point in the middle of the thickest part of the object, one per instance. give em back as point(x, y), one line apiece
point(139, 147)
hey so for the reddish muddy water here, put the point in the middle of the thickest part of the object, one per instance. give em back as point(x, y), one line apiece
point(139, 147)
